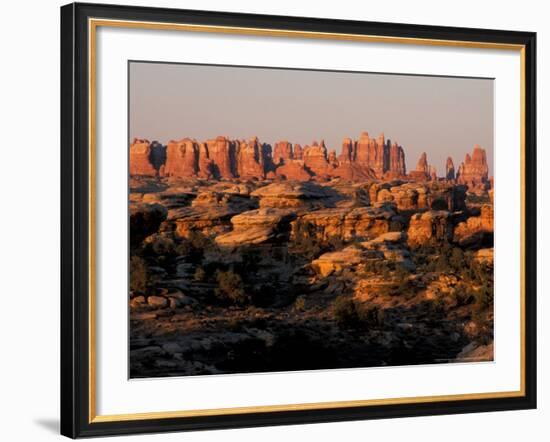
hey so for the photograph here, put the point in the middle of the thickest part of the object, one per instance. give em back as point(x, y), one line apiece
point(286, 219)
point(275, 221)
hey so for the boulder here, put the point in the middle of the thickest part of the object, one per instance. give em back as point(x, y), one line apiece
point(476, 231)
point(157, 301)
point(209, 220)
point(258, 227)
point(329, 263)
point(292, 194)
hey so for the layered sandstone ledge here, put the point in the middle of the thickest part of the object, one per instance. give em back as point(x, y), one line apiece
point(360, 160)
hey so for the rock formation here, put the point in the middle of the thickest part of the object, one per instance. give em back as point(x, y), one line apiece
point(396, 168)
point(429, 227)
point(258, 227)
point(301, 195)
point(140, 158)
point(449, 169)
point(293, 170)
point(221, 151)
point(181, 158)
point(249, 160)
point(282, 152)
point(315, 158)
point(422, 170)
point(474, 171)
point(477, 230)
point(361, 160)
point(347, 223)
point(206, 165)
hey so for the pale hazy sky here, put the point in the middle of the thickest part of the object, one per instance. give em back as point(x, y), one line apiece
point(439, 115)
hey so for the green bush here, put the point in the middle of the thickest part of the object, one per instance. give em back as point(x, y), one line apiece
point(230, 288)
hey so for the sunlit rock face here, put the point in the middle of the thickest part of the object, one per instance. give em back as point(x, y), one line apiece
point(474, 171)
point(140, 158)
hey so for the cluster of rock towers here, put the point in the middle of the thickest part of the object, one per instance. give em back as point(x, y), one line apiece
point(363, 159)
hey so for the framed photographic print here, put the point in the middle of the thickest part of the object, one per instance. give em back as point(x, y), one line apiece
point(274, 220)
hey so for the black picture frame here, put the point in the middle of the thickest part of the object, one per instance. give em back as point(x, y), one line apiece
point(75, 220)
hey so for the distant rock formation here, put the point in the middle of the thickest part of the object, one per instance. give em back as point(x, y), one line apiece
point(315, 158)
point(140, 158)
point(397, 168)
point(293, 170)
point(181, 158)
point(282, 152)
point(220, 151)
point(359, 160)
point(249, 160)
point(422, 171)
point(449, 169)
point(474, 171)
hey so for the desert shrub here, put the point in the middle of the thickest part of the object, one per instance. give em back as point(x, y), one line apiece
point(230, 287)
point(300, 303)
point(199, 240)
point(484, 296)
point(349, 313)
point(199, 275)
point(307, 243)
point(139, 275)
point(160, 245)
point(442, 264)
point(401, 274)
point(439, 204)
point(183, 248)
point(372, 316)
point(335, 242)
point(478, 273)
point(461, 295)
point(456, 258)
point(345, 311)
point(234, 325)
point(308, 247)
point(163, 244)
